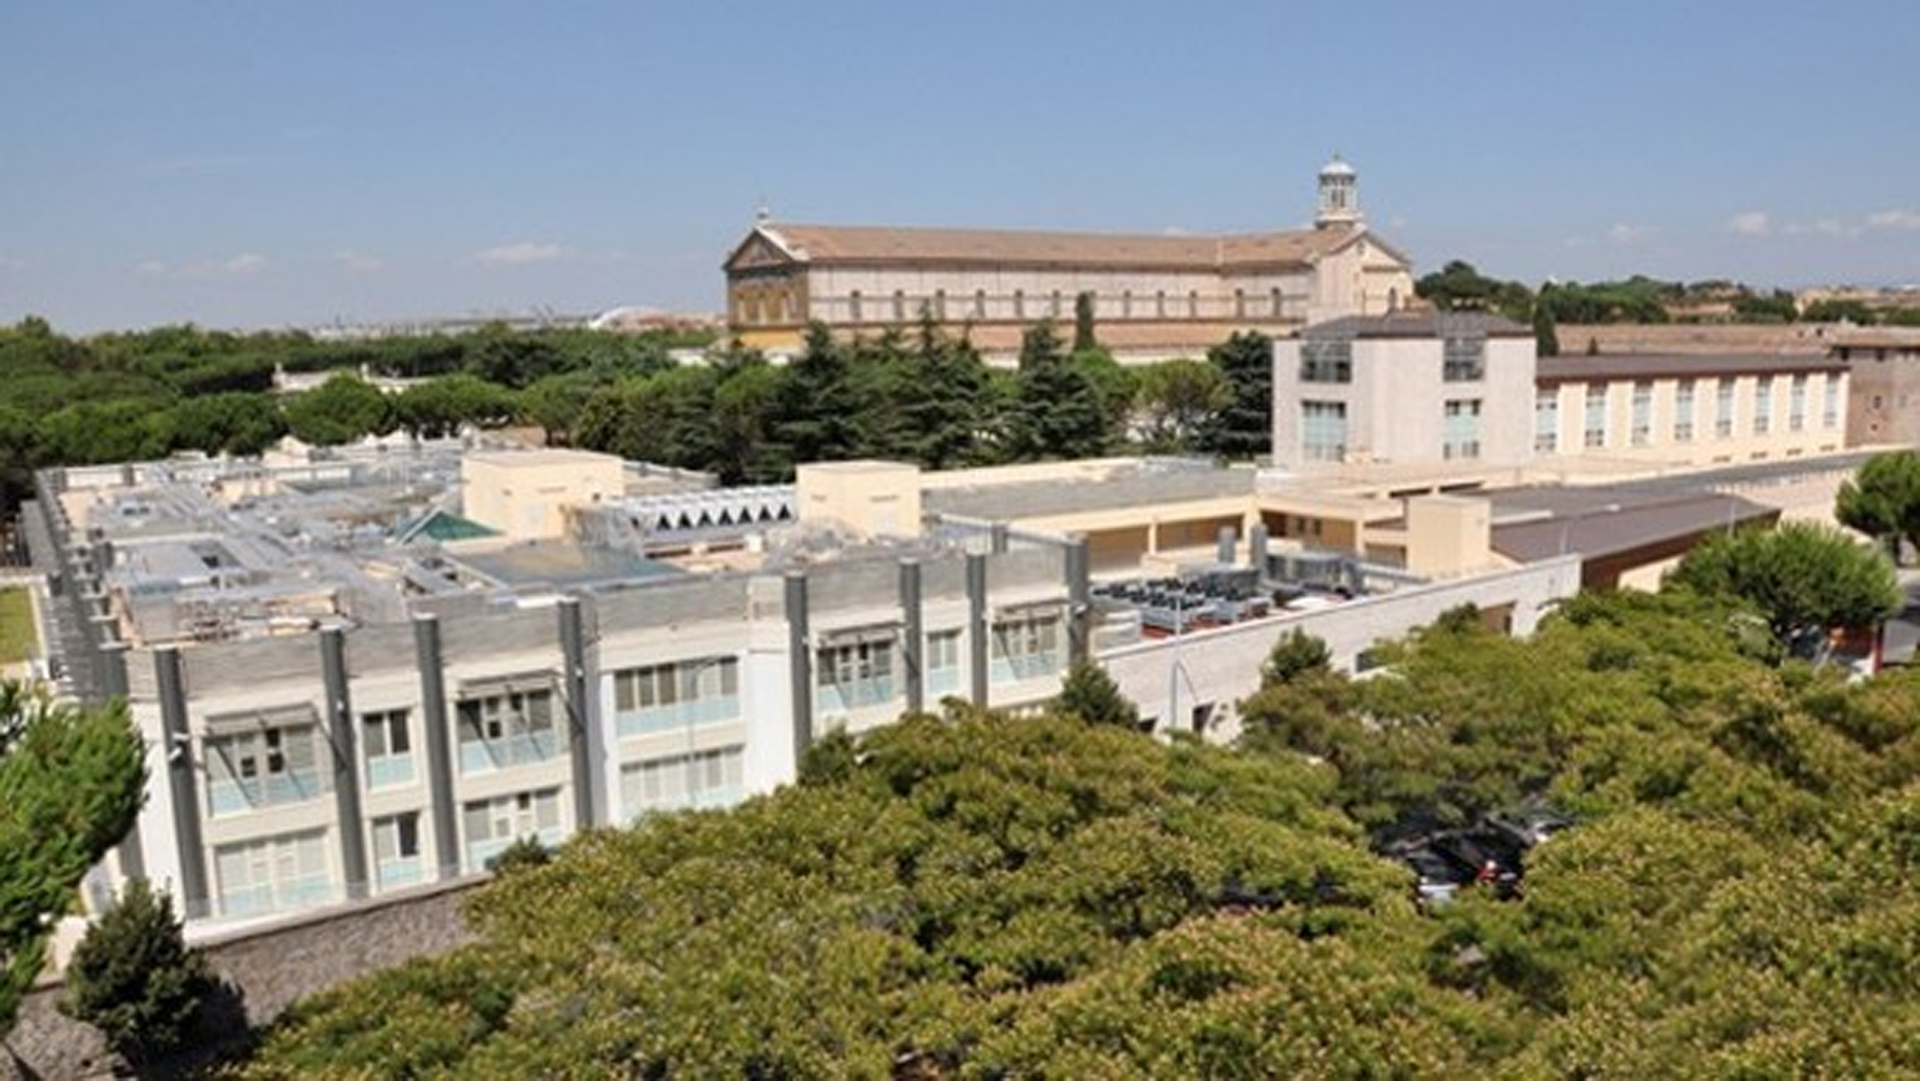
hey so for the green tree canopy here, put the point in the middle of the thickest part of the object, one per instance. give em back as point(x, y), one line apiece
point(1090, 694)
point(998, 897)
point(1177, 401)
point(1244, 427)
point(343, 409)
point(1805, 580)
point(1882, 499)
point(133, 977)
point(71, 784)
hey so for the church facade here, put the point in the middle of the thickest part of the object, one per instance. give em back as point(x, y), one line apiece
point(1153, 295)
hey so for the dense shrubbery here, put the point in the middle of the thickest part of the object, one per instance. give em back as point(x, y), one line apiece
point(989, 897)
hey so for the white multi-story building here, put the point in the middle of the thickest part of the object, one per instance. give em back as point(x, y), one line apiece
point(333, 714)
point(1465, 391)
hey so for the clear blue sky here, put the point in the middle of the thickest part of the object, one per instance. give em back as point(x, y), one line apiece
point(276, 163)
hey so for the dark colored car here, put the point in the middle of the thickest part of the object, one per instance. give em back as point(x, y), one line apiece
point(1527, 826)
point(1437, 877)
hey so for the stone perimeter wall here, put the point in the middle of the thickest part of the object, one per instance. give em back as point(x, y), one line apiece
point(273, 968)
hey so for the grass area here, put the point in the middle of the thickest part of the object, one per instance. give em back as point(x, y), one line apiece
point(19, 638)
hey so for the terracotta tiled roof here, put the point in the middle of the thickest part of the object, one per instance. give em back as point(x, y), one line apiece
point(870, 244)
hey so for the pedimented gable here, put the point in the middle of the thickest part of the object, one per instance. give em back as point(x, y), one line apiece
point(1373, 251)
point(760, 249)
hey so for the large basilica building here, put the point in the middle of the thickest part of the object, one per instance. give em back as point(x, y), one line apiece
point(1153, 295)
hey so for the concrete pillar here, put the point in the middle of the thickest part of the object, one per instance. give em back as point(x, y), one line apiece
point(997, 537)
point(433, 717)
point(1224, 546)
point(1257, 548)
point(582, 715)
point(977, 628)
point(913, 637)
point(342, 734)
point(194, 901)
point(1079, 600)
point(800, 665)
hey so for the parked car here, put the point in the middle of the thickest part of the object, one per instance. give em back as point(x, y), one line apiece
point(1437, 878)
point(1487, 858)
point(1527, 826)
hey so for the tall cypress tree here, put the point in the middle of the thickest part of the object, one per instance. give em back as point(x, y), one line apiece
point(1244, 429)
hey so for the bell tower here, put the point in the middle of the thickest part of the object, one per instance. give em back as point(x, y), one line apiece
point(1339, 196)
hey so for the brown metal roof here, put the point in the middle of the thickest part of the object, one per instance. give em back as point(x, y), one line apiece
point(887, 244)
point(1576, 369)
point(1597, 523)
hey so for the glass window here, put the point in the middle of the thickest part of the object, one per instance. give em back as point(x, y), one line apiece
point(1027, 647)
point(1797, 405)
point(667, 697)
point(1642, 414)
point(1723, 409)
point(1830, 411)
point(1460, 436)
point(1546, 420)
point(1464, 359)
point(703, 779)
point(265, 768)
point(943, 662)
point(1596, 425)
point(853, 306)
point(1323, 431)
point(396, 851)
point(1763, 405)
point(491, 825)
point(1326, 360)
point(386, 739)
point(1683, 411)
point(510, 729)
point(274, 874)
point(853, 675)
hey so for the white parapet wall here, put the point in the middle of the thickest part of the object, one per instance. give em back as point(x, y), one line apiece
point(1210, 671)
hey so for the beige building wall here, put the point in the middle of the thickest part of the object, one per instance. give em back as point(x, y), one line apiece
point(524, 495)
point(1699, 438)
point(864, 498)
point(1396, 403)
point(1362, 278)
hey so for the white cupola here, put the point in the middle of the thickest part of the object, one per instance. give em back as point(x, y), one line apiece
point(1339, 196)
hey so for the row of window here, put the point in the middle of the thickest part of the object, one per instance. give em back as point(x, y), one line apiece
point(900, 307)
point(294, 870)
point(855, 674)
point(1594, 427)
point(1323, 430)
point(1330, 360)
point(518, 727)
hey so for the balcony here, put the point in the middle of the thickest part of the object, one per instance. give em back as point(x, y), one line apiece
point(287, 895)
point(1029, 666)
point(482, 756)
point(233, 796)
point(390, 770)
point(843, 697)
point(677, 717)
point(396, 873)
point(479, 852)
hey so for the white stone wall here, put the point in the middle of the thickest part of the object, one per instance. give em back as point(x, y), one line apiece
point(1222, 666)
